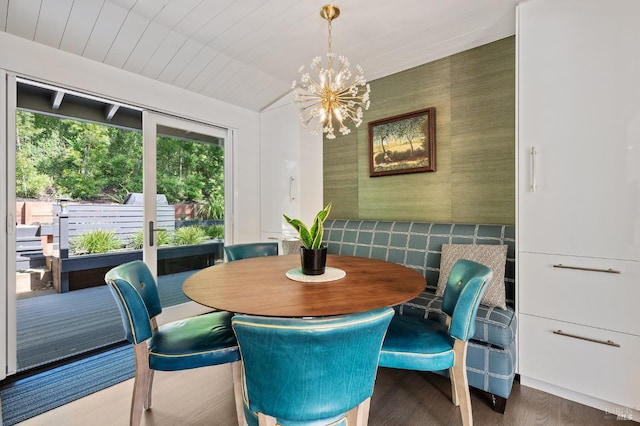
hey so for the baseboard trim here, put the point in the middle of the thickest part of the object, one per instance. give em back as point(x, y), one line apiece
point(616, 411)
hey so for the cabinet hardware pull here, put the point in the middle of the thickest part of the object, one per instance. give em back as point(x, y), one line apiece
point(588, 339)
point(292, 192)
point(580, 268)
point(533, 153)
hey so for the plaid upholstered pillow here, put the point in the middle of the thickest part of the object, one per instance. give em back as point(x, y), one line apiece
point(493, 256)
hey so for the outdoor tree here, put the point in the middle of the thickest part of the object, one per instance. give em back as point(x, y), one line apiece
point(88, 161)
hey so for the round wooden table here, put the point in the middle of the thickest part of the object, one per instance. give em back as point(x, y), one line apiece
point(259, 286)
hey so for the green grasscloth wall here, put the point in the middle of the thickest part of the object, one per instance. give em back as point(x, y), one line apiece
point(474, 182)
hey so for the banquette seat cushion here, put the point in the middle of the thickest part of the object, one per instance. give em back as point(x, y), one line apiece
point(491, 354)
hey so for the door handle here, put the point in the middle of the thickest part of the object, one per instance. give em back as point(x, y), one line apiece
point(152, 231)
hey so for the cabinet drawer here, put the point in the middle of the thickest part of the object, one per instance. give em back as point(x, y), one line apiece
point(582, 296)
point(595, 369)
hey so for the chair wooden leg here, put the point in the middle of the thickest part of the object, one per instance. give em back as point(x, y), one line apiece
point(141, 383)
point(264, 420)
point(359, 415)
point(147, 403)
point(454, 388)
point(238, 380)
point(459, 375)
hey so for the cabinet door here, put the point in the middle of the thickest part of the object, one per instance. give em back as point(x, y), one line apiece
point(579, 128)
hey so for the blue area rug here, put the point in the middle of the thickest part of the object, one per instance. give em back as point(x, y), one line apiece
point(42, 392)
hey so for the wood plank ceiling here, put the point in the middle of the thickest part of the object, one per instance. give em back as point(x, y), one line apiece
point(247, 52)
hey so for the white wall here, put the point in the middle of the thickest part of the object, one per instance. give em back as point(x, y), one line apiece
point(288, 150)
point(31, 60)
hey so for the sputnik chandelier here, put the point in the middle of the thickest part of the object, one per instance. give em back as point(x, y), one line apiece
point(337, 95)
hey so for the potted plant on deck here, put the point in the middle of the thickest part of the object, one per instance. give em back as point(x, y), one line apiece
point(313, 255)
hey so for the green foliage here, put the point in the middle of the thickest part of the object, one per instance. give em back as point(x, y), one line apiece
point(215, 231)
point(189, 235)
point(136, 241)
point(29, 182)
point(123, 170)
point(211, 209)
point(181, 236)
point(90, 161)
point(97, 241)
point(311, 238)
point(33, 149)
point(82, 174)
point(189, 171)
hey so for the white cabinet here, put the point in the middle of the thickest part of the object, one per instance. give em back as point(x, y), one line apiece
point(279, 167)
point(578, 198)
point(604, 367)
point(290, 170)
point(579, 110)
point(589, 291)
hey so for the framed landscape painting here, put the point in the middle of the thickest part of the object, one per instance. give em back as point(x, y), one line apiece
point(403, 144)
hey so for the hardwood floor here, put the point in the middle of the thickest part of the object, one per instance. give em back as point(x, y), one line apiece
point(401, 398)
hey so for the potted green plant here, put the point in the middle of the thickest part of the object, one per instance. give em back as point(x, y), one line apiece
point(313, 255)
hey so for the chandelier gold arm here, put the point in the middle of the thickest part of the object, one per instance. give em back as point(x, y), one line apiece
point(336, 94)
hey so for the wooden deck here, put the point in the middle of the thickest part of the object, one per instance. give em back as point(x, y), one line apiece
point(52, 326)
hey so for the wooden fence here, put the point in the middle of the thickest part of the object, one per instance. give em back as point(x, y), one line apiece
point(122, 219)
point(42, 212)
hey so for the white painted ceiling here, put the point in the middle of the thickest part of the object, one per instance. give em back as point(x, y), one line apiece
point(247, 52)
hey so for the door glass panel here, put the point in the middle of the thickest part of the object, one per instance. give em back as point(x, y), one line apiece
point(190, 202)
point(74, 180)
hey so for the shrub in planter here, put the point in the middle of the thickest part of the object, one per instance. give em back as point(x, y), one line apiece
point(136, 241)
point(215, 231)
point(97, 241)
point(189, 235)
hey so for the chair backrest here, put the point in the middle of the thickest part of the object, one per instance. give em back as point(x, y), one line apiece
point(136, 294)
point(467, 282)
point(243, 251)
point(310, 369)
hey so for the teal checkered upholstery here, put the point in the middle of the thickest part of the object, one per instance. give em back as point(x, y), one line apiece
point(491, 356)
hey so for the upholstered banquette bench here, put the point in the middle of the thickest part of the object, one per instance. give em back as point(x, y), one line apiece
point(429, 247)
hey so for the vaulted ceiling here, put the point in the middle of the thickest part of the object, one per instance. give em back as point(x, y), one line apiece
point(247, 52)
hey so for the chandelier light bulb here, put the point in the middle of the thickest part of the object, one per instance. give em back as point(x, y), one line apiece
point(337, 96)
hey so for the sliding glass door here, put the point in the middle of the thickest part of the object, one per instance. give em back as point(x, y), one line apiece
point(90, 183)
point(184, 195)
point(7, 233)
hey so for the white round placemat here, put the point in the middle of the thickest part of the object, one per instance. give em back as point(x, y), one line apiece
point(330, 274)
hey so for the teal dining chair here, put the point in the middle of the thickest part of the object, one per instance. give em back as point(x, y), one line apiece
point(244, 251)
point(315, 371)
point(416, 343)
point(195, 342)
